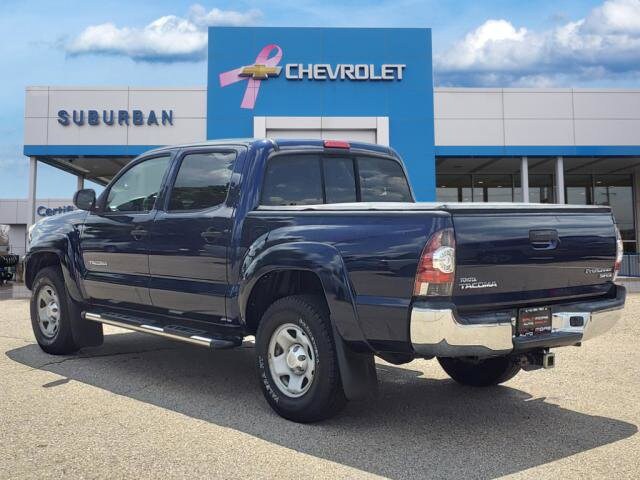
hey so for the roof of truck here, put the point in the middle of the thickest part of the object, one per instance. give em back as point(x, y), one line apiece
point(279, 144)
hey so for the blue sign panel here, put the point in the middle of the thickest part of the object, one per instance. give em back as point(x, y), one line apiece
point(327, 72)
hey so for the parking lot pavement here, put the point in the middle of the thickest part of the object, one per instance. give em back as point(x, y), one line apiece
point(143, 407)
point(13, 290)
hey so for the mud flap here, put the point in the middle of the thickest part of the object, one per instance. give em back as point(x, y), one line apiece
point(357, 371)
point(85, 332)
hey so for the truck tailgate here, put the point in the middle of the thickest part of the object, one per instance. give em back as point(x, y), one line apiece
point(518, 256)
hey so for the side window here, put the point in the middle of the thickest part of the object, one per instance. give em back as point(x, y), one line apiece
point(202, 181)
point(382, 180)
point(137, 189)
point(292, 180)
point(339, 180)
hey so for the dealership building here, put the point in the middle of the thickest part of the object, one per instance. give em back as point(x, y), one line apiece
point(578, 146)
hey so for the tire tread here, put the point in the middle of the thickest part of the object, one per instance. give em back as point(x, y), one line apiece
point(63, 343)
point(317, 313)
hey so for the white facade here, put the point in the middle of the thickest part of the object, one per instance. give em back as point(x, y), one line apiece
point(544, 117)
point(42, 104)
point(463, 116)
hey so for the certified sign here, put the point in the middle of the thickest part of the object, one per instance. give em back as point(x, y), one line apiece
point(43, 211)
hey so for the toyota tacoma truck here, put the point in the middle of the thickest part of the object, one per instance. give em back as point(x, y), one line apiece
point(318, 249)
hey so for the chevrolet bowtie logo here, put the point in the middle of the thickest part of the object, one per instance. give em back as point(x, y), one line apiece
point(260, 72)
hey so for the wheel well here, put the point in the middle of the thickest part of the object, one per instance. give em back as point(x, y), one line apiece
point(37, 263)
point(275, 285)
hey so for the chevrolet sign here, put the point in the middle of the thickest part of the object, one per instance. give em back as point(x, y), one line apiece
point(267, 62)
point(260, 72)
point(344, 71)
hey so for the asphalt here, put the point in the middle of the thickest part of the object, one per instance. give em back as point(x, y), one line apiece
point(143, 407)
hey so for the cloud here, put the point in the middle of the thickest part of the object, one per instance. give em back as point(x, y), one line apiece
point(167, 39)
point(604, 44)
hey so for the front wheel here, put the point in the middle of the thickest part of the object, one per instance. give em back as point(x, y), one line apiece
point(51, 314)
point(480, 372)
point(297, 361)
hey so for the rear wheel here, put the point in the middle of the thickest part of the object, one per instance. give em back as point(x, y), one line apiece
point(50, 313)
point(480, 372)
point(297, 361)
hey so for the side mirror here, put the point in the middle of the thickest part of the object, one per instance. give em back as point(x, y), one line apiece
point(85, 199)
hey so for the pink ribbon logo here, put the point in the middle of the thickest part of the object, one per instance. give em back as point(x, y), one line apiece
point(263, 68)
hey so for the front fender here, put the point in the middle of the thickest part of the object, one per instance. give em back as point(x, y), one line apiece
point(321, 259)
point(66, 247)
point(85, 333)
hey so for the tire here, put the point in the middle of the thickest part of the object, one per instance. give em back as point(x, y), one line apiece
point(480, 372)
point(303, 319)
point(55, 337)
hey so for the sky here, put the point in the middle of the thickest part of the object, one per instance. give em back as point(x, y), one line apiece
point(533, 43)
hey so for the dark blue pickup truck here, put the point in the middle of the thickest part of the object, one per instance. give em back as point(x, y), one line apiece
point(318, 249)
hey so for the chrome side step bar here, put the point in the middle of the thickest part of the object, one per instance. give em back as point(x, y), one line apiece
point(203, 341)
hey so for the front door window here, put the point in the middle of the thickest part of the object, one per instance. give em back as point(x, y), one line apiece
point(137, 189)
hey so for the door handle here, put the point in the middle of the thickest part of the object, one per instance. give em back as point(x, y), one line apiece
point(211, 236)
point(544, 239)
point(139, 233)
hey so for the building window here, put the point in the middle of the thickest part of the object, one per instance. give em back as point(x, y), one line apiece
point(614, 190)
point(578, 189)
point(454, 188)
point(617, 192)
point(541, 188)
point(475, 188)
point(493, 188)
point(483, 179)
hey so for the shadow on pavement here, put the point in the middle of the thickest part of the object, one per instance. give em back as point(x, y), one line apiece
point(416, 426)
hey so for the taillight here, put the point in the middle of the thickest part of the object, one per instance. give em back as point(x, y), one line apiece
point(619, 253)
point(437, 265)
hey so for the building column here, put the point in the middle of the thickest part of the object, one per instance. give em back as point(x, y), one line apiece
point(80, 184)
point(524, 179)
point(636, 209)
point(31, 201)
point(559, 180)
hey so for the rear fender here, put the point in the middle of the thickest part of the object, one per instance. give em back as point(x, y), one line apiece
point(324, 261)
point(357, 370)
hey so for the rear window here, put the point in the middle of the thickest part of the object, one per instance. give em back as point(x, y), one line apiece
point(339, 180)
point(382, 180)
point(292, 180)
point(310, 179)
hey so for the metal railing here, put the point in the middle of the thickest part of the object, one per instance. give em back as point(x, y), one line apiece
point(630, 265)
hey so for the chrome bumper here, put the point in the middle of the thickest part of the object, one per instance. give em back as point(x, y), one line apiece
point(436, 332)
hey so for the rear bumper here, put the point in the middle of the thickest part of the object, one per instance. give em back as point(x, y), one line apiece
point(437, 332)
